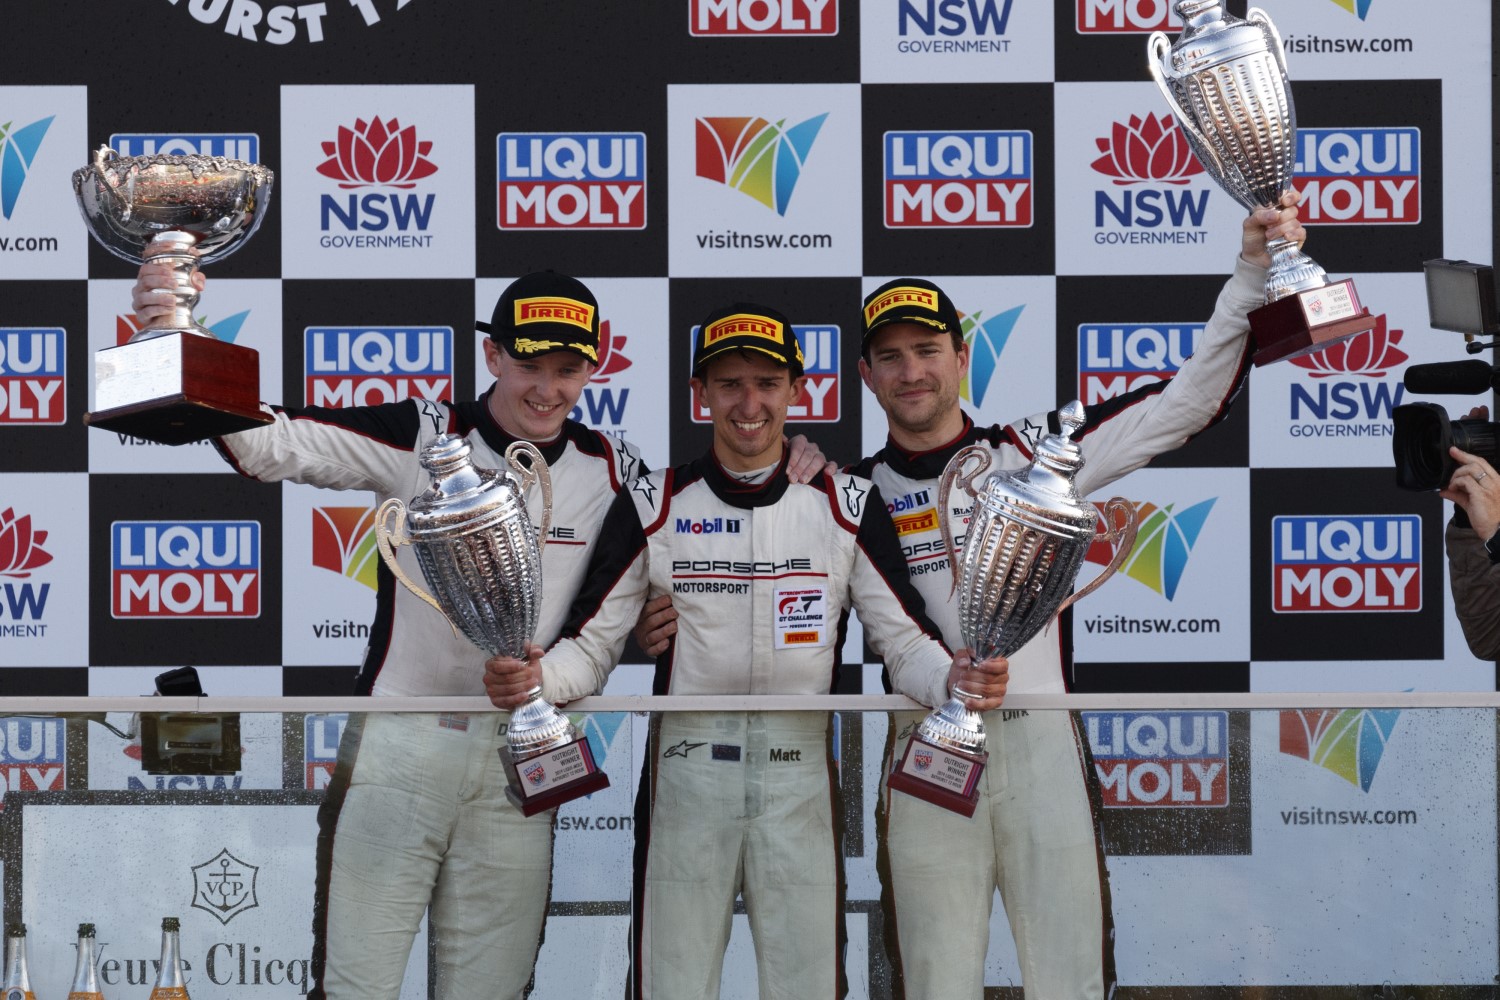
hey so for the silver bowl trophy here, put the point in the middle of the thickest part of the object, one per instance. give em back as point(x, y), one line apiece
point(1226, 82)
point(174, 381)
point(1026, 540)
point(482, 559)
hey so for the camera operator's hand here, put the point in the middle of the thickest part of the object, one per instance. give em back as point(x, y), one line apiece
point(1475, 486)
point(1267, 224)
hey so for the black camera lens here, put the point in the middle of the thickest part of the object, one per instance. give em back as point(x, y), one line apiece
point(1422, 435)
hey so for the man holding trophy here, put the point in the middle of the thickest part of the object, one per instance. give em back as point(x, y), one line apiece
point(762, 571)
point(1033, 835)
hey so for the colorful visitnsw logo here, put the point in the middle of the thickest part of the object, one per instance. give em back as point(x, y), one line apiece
point(1348, 742)
point(1360, 7)
point(18, 148)
point(986, 339)
point(755, 156)
point(1163, 544)
point(226, 329)
point(343, 542)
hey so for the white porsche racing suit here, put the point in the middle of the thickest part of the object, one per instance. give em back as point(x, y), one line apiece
point(1034, 834)
point(743, 803)
point(416, 813)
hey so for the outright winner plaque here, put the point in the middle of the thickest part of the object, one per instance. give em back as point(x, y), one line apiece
point(1227, 84)
point(174, 381)
point(1026, 541)
point(482, 558)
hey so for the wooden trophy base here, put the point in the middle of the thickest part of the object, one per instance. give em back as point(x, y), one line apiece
point(547, 780)
point(177, 388)
point(1307, 322)
point(940, 775)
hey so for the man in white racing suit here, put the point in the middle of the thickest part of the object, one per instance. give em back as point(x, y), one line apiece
point(762, 572)
point(415, 814)
point(1034, 835)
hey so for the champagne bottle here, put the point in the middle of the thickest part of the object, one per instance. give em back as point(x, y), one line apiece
point(85, 979)
point(169, 983)
point(17, 982)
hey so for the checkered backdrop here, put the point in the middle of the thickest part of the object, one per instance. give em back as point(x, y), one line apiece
point(680, 154)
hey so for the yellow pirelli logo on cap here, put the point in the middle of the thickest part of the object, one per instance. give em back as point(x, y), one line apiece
point(551, 309)
point(908, 524)
point(900, 296)
point(742, 325)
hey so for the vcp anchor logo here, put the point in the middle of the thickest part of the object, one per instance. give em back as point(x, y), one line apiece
point(224, 886)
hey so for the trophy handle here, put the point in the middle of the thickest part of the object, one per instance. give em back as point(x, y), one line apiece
point(1262, 20)
point(1157, 48)
point(1123, 538)
point(387, 539)
point(535, 471)
point(954, 475)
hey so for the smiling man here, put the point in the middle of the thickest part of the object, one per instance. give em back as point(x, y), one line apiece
point(762, 572)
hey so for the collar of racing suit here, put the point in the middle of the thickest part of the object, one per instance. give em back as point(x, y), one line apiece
point(929, 464)
point(477, 414)
point(739, 494)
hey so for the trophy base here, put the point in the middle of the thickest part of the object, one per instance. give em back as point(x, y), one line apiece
point(1309, 321)
point(546, 780)
point(941, 775)
point(177, 388)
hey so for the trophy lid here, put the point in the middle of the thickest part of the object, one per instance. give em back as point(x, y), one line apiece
point(1044, 494)
point(462, 497)
point(1210, 37)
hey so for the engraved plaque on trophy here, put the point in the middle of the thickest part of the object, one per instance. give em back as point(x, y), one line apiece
point(482, 560)
point(1226, 81)
point(1026, 541)
point(174, 381)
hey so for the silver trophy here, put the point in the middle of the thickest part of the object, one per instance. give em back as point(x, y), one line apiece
point(482, 558)
point(1026, 540)
point(174, 381)
point(1226, 82)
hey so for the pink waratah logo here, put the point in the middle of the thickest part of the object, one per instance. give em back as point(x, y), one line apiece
point(1153, 148)
point(377, 152)
point(1370, 354)
point(20, 545)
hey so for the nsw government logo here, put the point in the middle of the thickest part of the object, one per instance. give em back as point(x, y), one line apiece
point(1150, 167)
point(958, 180)
point(1345, 391)
point(224, 886)
point(25, 599)
point(571, 180)
point(1358, 562)
point(185, 569)
point(1369, 176)
point(33, 376)
point(376, 154)
point(362, 366)
point(952, 26)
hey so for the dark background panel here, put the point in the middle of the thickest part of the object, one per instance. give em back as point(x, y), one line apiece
point(804, 301)
point(385, 302)
point(63, 447)
point(958, 107)
point(1336, 635)
point(1166, 299)
point(1379, 104)
point(184, 642)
